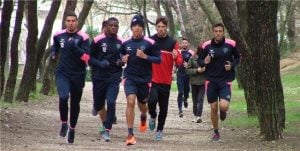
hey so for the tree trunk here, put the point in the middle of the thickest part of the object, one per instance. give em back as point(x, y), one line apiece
point(291, 25)
point(87, 5)
point(12, 78)
point(209, 11)
point(28, 74)
point(228, 12)
point(156, 5)
point(268, 92)
point(179, 18)
point(4, 33)
point(166, 5)
point(48, 77)
point(246, 67)
point(45, 35)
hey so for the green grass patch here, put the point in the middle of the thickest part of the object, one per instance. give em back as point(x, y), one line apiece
point(291, 87)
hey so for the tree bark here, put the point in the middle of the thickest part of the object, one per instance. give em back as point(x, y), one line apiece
point(244, 71)
point(208, 10)
point(87, 5)
point(167, 7)
point(156, 5)
point(177, 9)
point(4, 33)
point(269, 92)
point(45, 35)
point(28, 74)
point(12, 78)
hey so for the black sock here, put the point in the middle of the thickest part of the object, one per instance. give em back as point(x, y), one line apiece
point(143, 117)
point(216, 131)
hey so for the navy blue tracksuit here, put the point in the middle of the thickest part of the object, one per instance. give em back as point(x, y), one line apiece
point(183, 83)
point(106, 74)
point(70, 72)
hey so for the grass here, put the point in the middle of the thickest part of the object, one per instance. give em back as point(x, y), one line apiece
point(238, 107)
point(291, 88)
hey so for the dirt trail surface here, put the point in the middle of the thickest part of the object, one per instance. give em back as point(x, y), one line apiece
point(290, 62)
point(35, 125)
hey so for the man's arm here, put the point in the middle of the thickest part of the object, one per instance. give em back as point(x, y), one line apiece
point(54, 48)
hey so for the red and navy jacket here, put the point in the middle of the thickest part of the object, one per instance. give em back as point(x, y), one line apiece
point(221, 52)
point(72, 46)
point(105, 56)
point(137, 69)
point(162, 73)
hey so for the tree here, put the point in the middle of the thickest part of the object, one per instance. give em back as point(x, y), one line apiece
point(45, 35)
point(262, 53)
point(87, 5)
point(5, 23)
point(12, 78)
point(269, 92)
point(28, 74)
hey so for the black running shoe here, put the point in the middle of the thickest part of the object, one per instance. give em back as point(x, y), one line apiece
point(115, 120)
point(71, 136)
point(185, 103)
point(63, 130)
point(222, 115)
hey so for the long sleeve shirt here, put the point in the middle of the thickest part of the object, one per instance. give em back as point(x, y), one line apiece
point(71, 46)
point(106, 56)
point(138, 69)
point(186, 55)
point(162, 73)
point(220, 53)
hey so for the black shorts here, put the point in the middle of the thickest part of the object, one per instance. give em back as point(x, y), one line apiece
point(218, 90)
point(140, 90)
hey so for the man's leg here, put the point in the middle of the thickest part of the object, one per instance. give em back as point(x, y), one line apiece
point(180, 86)
point(225, 96)
point(111, 96)
point(186, 90)
point(199, 102)
point(152, 102)
point(130, 110)
point(212, 97)
point(163, 100)
point(63, 87)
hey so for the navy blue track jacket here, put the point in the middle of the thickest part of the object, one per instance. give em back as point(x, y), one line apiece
point(105, 56)
point(221, 52)
point(71, 46)
point(139, 70)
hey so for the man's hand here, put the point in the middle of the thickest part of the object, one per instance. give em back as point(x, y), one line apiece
point(227, 65)
point(174, 53)
point(200, 69)
point(125, 58)
point(141, 54)
point(207, 59)
point(185, 64)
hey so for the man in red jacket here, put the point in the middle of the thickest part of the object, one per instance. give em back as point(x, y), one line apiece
point(162, 76)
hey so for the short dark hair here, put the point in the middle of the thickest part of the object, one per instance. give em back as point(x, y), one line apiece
point(184, 38)
point(71, 13)
point(218, 25)
point(162, 19)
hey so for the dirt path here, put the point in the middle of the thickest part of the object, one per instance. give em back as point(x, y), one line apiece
point(35, 125)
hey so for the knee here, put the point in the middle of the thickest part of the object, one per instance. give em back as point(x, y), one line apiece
point(130, 104)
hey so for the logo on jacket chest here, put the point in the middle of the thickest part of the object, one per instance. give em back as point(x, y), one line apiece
point(62, 43)
point(104, 47)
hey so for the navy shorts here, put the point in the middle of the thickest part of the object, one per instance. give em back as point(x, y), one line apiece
point(105, 89)
point(218, 90)
point(65, 84)
point(141, 90)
